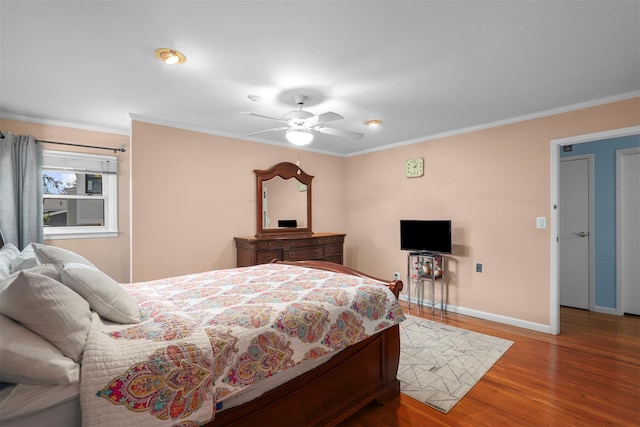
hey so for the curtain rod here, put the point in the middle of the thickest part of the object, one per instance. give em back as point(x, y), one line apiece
point(121, 149)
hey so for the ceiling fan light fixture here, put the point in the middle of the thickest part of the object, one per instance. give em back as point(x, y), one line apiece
point(170, 56)
point(373, 122)
point(299, 137)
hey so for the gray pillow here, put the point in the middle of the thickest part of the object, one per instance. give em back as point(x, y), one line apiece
point(105, 296)
point(48, 270)
point(48, 308)
point(57, 256)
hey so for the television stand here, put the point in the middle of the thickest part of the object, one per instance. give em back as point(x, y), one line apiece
point(429, 267)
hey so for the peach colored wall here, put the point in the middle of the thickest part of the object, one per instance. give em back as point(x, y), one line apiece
point(111, 255)
point(193, 192)
point(492, 184)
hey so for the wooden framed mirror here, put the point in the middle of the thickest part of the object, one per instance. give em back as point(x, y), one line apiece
point(283, 201)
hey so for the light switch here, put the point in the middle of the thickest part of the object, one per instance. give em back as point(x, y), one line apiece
point(541, 222)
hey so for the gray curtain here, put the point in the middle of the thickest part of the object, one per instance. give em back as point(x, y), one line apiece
point(20, 189)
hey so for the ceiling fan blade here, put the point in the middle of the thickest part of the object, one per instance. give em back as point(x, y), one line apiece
point(265, 117)
point(329, 116)
point(339, 132)
point(266, 130)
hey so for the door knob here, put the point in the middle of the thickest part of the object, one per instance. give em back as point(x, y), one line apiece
point(580, 234)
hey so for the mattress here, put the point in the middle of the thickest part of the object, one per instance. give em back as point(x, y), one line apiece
point(270, 383)
point(59, 405)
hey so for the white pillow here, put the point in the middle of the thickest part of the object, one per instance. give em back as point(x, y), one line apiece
point(50, 309)
point(26, 259)
point(28, 358)
point(57, 256)
point(105, 296)
point(7, 254)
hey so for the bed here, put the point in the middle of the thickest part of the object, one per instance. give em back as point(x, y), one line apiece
point(346, 367)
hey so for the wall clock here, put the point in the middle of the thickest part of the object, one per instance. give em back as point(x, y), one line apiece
point(415, 167)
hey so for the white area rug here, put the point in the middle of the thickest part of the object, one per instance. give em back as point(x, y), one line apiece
point(439, 363)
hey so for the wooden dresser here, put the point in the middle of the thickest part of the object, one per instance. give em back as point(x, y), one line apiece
point(262, 250)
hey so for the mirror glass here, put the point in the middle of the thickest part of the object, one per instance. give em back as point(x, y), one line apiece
point(283, 201)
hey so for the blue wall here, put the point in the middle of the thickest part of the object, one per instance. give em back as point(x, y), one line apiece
point(604, 157)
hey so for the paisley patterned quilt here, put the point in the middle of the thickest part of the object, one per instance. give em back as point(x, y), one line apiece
point(205, 337)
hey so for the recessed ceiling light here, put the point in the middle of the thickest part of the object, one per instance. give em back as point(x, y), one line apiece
point(374, 122)
point(170, 56)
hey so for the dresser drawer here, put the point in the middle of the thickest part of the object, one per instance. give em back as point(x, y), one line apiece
point(299, 243)
point(332, 250)
point(335, 239)
point(302, 254)
point(265, 257)
point(268, 244)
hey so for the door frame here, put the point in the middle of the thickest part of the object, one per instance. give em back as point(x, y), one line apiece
point(555, 144)
point(619, 226)
point(590, 226)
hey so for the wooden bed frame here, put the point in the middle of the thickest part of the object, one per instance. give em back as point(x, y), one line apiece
point(361, 374)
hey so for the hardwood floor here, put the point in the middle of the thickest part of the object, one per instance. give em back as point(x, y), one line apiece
point(589, 375)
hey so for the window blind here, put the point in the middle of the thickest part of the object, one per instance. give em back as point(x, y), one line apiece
point(94, 163)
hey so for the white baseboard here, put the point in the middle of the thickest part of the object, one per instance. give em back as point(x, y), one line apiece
point(538, 327)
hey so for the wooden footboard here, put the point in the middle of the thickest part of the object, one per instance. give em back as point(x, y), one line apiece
point(394, 285)
point(330, 393)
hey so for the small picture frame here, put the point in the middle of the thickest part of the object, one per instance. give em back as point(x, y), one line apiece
point(93, 184)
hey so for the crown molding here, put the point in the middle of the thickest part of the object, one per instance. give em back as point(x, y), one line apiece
point(51, 122)
point(512, 120)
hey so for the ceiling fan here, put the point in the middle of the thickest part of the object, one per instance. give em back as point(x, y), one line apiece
point(302, 125)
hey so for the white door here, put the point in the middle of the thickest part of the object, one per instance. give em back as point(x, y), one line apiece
point(574, 226)
point(628, 227)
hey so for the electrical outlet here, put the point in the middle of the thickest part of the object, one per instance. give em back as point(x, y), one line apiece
point(478, 268)
point(396, 276)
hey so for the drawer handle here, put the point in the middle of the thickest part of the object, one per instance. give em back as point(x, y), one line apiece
point(333, 249)
point(267, 256)
point(317, 251)
point(292, 254)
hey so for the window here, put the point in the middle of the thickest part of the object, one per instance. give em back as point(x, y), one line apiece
point(79, 195)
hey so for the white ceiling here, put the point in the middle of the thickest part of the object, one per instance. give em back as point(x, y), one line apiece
point(425, 68)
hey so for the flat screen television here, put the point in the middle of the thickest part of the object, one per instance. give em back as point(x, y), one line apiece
point(432, 236)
